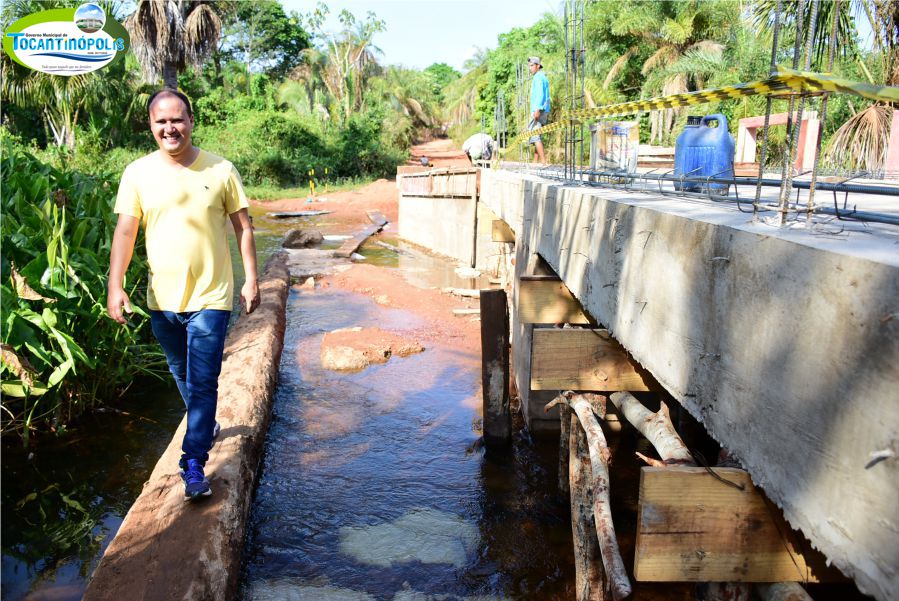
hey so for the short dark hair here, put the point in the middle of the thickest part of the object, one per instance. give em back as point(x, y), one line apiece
point(170, 92)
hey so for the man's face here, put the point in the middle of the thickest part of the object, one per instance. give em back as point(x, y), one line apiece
point(533, 68)
point(171, 125)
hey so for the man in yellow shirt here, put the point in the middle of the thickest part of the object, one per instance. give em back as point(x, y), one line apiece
point(184, 197)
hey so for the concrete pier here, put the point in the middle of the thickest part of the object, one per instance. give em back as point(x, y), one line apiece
point(783, 342)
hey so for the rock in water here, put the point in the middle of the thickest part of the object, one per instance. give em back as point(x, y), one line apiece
point(302, 239)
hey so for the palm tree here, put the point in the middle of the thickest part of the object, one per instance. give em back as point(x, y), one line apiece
point(861, 142)
point(668, 31)
point(170, 35)
point(350, 53)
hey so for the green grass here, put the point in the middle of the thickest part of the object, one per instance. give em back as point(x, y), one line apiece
point(267, 193)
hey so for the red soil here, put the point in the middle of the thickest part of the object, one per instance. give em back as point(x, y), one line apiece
point(389, 288)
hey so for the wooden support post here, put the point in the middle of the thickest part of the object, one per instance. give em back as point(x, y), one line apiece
point(619, 583)
point(474, 227)
point(589, 582)
point(501, 232)
point(495, 367)
point(564, 448)
point(582, 359)
point(548, 300)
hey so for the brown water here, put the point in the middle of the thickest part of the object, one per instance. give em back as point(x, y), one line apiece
point(375, 484)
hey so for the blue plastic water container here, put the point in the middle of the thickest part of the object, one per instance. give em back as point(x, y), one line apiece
point(703, 151)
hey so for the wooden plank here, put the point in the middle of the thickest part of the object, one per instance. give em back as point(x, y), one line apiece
point(691, 527)
point(548, 301)
point(495, 367)
point(502, 232)
point(581, 359)
point(349, 246)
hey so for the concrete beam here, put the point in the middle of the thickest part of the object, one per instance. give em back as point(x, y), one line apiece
point(784, 343)
point(169, 549)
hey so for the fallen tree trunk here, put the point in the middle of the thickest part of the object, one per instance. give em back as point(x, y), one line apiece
point(657, 428)
point(782, 591)
point(565, 450)
point(602, 510)
point(589, 584)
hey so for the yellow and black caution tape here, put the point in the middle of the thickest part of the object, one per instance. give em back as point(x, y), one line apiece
point(787, 81)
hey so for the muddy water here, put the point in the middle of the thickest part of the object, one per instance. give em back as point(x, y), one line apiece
point(375, 484)
point(64, 498)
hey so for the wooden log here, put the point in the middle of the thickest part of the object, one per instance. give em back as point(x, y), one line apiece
point(501, 232)
point(349, 247)
point(589, 576)
point(548, 301)
point(464, 292)
point(584, 359)
point(395, 249)
point(656, 427)
point(466, 311)
point(564, 448)
point(725, 591)
point(495, 367)
point(619, 583)
point(782, 591)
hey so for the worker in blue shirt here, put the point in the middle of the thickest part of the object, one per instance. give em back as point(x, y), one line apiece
point(539, 105)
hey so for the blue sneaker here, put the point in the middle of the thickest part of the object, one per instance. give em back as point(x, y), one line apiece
point(195, 483)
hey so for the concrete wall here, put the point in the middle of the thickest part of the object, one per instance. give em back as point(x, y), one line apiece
point(449, 225)
point(444, 225)
point(169, 549)
point(783, 342)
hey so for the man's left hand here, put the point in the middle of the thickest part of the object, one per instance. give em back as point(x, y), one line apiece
point(249, 296)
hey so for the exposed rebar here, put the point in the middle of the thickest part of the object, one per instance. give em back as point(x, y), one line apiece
point(771, 71)
point(831, 51)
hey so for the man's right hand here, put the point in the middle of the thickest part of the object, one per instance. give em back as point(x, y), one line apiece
point(115, 301)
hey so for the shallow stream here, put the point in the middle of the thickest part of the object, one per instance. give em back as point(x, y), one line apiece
point(375, 484)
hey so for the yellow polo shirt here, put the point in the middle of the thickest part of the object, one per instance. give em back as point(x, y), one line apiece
point(185, 215)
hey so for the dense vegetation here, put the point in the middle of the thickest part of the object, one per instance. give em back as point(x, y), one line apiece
point(274, 92)
point(61, 354)
point(637, 49)
point(281, 95)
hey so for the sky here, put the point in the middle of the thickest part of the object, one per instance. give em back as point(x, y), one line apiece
point(422, 32)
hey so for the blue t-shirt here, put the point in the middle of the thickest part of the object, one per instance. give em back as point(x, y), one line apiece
point(539, 92)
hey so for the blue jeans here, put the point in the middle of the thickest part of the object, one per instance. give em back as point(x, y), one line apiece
point(193, 343)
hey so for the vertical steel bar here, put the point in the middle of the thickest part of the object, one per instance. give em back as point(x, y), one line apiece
point(567, 135)
point(831, 51)
point(787, 171)
point(771, 71)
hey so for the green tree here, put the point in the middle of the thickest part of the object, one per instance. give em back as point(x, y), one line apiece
point(167, 36)
point(261, 35)
point(441, 76)
point(658, 35)
point(350, 56)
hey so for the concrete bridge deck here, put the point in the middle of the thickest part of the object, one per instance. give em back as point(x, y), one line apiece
point(783, 342)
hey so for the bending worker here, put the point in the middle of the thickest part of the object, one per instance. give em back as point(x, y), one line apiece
point(478, 147)
point(184, 197)
point(539, 105)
